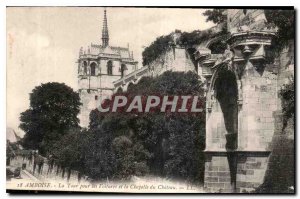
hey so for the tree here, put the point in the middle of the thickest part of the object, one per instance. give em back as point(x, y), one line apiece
point(52, 113)
point(155, 143)
point(70, 151)
point(284, 20)
point(179, 138)
point(123, 148)
point(288, 101)
point(217, 16)
point(156, 49)
point(119, 145)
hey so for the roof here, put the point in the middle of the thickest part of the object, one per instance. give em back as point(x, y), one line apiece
point(110, 50)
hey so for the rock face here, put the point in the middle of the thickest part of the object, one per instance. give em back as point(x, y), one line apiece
point(243, 105)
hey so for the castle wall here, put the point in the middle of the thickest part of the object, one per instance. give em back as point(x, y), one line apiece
point(251, 169)
point(130, 68)
point(115, 69)
point(259, 133)
point(256, 121)
point(281, 163)
point(107, 81)
point(215, 125)
point(94, 88)
point(46, 171)
point(250, 19)
point(91, 95)
point(217, 174)
point(175, 59)
point(89, 103)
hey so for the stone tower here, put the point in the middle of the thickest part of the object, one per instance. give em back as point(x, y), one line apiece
point(242, 102)
point(98, 67)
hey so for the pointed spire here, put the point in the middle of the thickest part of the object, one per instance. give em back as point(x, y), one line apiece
point(105, 36)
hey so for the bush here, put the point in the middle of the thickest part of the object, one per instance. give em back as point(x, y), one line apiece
point(288, 101)
point(152, 143)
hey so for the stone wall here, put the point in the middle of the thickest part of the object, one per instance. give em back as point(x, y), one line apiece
point(280, 174)
point(251, 168)
point(175, 59)
point(217, 173)
point(256, 121)
point(247, 19)
point(244, 147)
point(93, 89)
point(46, 172)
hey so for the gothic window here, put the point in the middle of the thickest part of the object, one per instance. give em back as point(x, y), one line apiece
point(227, 95)
point(123, 68)
point(130, 85)
point(109, 67)
point(93, 69)
point(84, 68)
point(120, 90)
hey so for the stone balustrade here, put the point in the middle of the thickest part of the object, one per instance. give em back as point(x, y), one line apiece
point(47, 171)
point(144, 71)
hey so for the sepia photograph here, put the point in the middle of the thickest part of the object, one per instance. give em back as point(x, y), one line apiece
point(150, 100)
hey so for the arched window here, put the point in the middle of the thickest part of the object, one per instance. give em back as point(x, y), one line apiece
point(130, 86)
point(84, 68)
point(93, 69)
point(227, 95)
point(120, 90)
point(109, 67)
point(123, 68)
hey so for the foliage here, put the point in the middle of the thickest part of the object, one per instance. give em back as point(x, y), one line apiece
point(155, 143)
point(186, 144)
point(186, 39)
point(123, 148)
point(195, 37)
point(288, 101)
point(157, 48)
point(120, 145)
point(113, 152)
point(11, 149)
point(215, 15)
point(53, 111)
point(163, 43)
point(71, 149)
point(284, 20)
point(100, 158)
point(280, 175)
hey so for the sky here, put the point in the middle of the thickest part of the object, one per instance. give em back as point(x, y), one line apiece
point(43, 42)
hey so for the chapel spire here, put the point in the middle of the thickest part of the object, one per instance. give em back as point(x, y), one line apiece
point(105, 36)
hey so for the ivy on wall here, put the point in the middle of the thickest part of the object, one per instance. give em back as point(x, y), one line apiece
point(284, 21)
point(157, 48)
point(288, 102)
point(187, 39)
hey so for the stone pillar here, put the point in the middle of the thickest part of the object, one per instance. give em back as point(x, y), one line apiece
point(238, 139)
